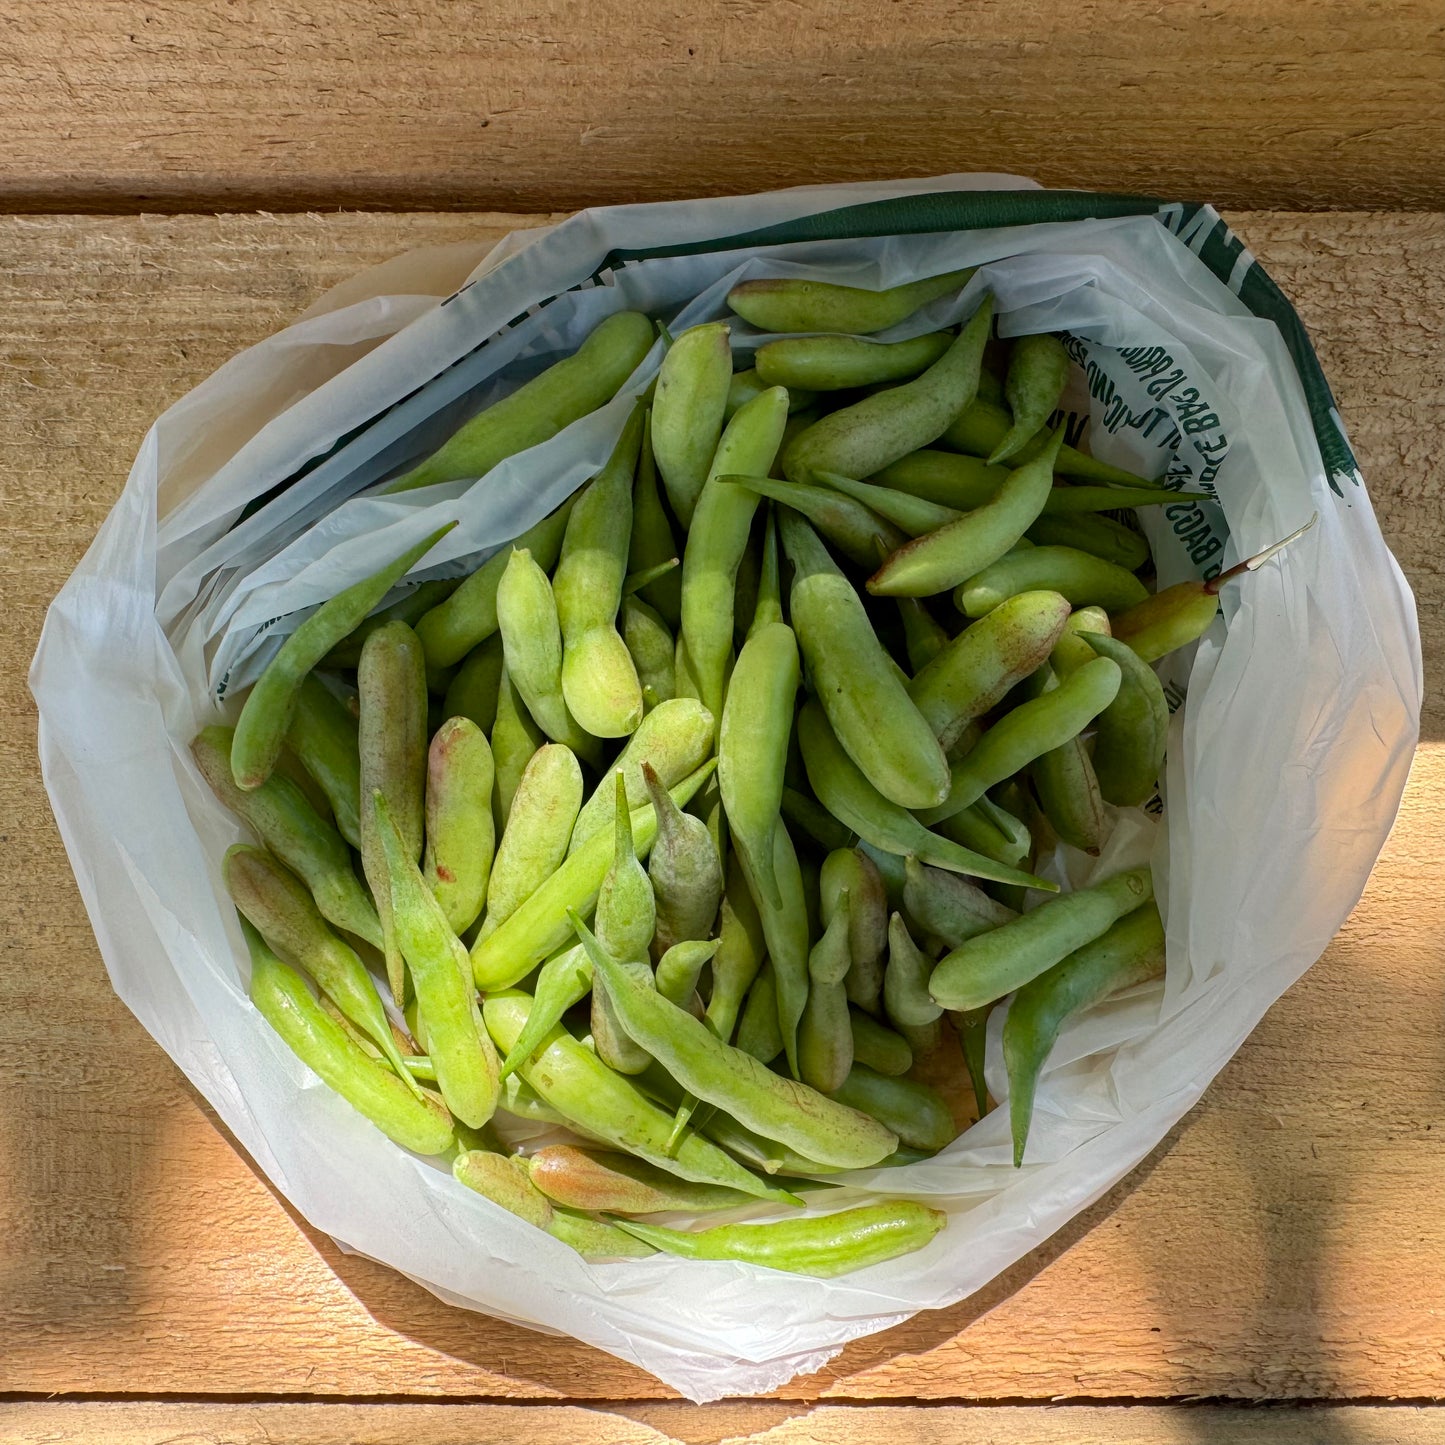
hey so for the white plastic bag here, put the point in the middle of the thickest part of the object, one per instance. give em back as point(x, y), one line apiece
point(1285, 769)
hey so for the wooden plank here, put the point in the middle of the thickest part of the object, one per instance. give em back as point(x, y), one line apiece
point(61, 1423)
point(1274, 1247)
point(205, 104)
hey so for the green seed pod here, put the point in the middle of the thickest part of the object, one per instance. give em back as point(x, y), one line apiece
point(610, 1108)
point(852, 872)
point(944, 906)
point(740, 953)
point(882, 1050)
point(675, 738)
point(539, 827)
point(599, 682)
point(604, 1182)
point(976, 671)
point(653, 542)
point(758, 1031)
point(1038, 368)
point(504, 1181)
point(684, 871)
point(532, 645)
point(687, 412)
point(1132, 951)
point(280, 816)
point(1131, 733)
point(1081, 579)
point(1098, 536)
point(460, 834)
point(835, 363)
point(986, 968)
point(392, 740)
point(406, 1114)
point(775, 304)
point(541, 407)
point(267, 712)
point(825, 1035)
point(679, 969)
point(913, 1111)
point(983, 425)
point(515, 739)
point(861, 439)
point(281, 910)
point(475, 689)
point(1027, 732)
point(746, 385)
point(322, 735)
point(541, 925)
point(652, 648)
point(905, 984)
point(626, 921)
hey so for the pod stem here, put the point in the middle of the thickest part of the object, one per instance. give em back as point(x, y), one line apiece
point(1253, 564)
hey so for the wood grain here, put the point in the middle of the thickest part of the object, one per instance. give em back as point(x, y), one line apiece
point(1283, 1243)
point(679, 1424)
point(550, 104)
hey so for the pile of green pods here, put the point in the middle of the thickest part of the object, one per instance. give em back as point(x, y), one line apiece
point(699, 823)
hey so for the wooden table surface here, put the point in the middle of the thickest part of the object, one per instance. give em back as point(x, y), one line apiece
point(1276, 1270)
point(1285, 1243)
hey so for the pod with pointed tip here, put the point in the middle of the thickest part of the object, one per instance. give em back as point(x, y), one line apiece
point(835, 363)
point(568, 390)
point(515, 739)
point(905, 983)
point(653, 542)
point(1130, 952)
point(882, 1050)
point(914, 1111)
point(740, 953)
point(1028, 731)
point(861, 439)
point(941, 559)
point(986, 968)
point(684, 871)
point(867, 705)
point(392, 738)
point(947, 907)
point(1130, 734)
point(475, 689)
point(787, 304)
point(323, 736)
point(718, 538)
point(460, 1048)
point(278, 906)
point(821, 1246)
point(599, 681)
point(532, 645)
point(1038, 368)
point(610, 1183)
point(1081, 578)
point(675, 738)
point(405, 1114)
point(281, 817)
point(981, 426)
point(687, 412)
